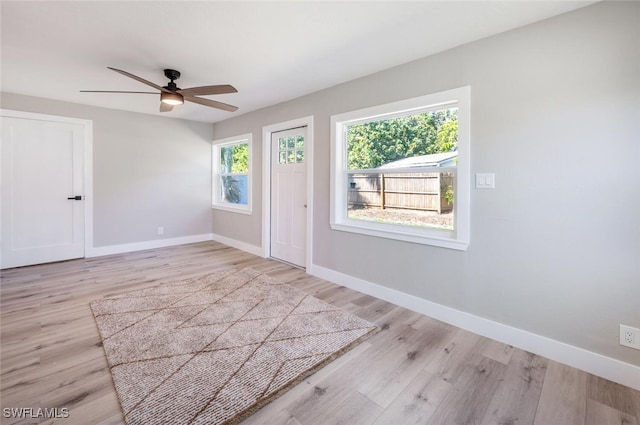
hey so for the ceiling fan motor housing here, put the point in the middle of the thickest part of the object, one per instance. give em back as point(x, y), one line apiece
point(172, 74)
point(171, 86)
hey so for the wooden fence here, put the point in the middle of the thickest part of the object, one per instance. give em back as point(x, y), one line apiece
point(425, 191)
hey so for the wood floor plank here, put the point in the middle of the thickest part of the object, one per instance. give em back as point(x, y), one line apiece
point(417, 403)
point(398, 368)
point(414, 370)
point(598, 414)
point(394, 371)
point(472, 392)
point(563, 399)
point(332, 405)
point(448, 361)
point(289, 399)
point(516, 398)
point(614, 395)
point(498, 351)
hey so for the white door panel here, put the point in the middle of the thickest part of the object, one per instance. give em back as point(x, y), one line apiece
point(299, 213)
point(281, 188)
point(289, 196)
point(42, 166)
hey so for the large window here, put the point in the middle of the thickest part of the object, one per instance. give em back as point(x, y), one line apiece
point(401, 170)
point(232, 174)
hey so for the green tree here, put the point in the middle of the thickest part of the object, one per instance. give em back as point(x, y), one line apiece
point(235, 158)
point(447, 137)
point(240, 158)
point(375, 143)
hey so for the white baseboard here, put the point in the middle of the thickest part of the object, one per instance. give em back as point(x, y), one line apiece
point(140, 246)
point(588, 361)
point(234, 243)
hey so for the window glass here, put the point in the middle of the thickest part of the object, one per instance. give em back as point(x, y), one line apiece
point(423, 199)
point(291, 150)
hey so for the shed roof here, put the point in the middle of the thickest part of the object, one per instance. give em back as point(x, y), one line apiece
point(433, 160)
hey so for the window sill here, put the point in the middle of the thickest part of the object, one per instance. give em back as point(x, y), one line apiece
point(239, 210)
point(419, 236)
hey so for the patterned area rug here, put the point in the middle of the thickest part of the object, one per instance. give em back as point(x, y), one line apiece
point(214, 349)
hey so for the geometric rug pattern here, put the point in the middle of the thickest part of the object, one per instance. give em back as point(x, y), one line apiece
point(213, 349)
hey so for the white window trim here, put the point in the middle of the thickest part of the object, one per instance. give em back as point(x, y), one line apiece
point(215, 186)
point(457, 239)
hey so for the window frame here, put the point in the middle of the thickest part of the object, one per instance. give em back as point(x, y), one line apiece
point(216, 174)
point(457, 239)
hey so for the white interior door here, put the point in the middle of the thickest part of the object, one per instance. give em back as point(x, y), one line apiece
point(289, 196)
point(42, 167)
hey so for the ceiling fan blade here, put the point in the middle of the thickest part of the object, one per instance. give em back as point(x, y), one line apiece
point(117, 91)
point(165, 107)
point(211, 103)
point(207, 90)
point(142, 80)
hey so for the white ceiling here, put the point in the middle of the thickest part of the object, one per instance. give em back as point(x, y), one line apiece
point(270, 51)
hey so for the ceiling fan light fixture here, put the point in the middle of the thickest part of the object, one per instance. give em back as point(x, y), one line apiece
point(172, 99)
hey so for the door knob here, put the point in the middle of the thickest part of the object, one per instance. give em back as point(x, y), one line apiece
point(75, 198)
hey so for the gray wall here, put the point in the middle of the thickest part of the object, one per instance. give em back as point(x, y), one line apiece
point(147, 171)
point(555, 248)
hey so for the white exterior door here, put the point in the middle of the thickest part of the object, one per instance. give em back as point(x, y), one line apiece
point(289, 196)
point(42, 167)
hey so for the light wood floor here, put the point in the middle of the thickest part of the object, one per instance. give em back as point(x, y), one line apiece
point(416, 370)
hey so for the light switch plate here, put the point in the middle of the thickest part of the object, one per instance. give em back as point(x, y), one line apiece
point(485, 181)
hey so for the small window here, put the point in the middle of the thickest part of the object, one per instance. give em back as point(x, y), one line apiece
point(232, 174)
point(291, 149)
point(401, 170)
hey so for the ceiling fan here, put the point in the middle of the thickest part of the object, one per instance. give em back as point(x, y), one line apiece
point(171, 95)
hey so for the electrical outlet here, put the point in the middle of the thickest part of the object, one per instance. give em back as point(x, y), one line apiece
point(160, 230)
point(630, 337)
